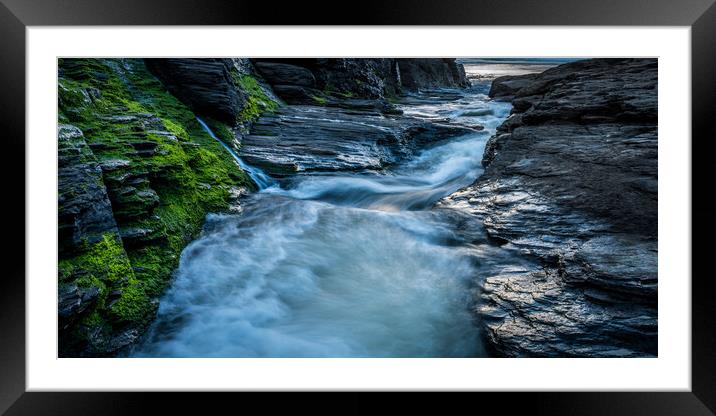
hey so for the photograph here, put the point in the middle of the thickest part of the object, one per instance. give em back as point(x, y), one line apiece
point(367, 207)
point(211, 200)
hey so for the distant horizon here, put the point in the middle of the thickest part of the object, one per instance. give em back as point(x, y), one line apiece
point(491, 68)
point(517, 60)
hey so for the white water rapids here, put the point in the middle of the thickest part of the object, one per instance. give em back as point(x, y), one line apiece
point(339, 265)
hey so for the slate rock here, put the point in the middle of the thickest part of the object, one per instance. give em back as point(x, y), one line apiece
point(84, 209)
point(206, 85)
point(571, 182)
point(286, 74)
point(73, 299)
point(315, 138)
point(423, 73)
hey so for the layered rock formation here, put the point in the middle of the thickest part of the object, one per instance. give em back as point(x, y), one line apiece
point(327, 81)
point(571, 182)
point(203, 84)
point(422, 73)
point(85, 213)
point(225, 89)
point(311, 138)
point(340, 118)
point(137, 174)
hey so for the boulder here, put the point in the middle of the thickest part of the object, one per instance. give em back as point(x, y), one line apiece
point(506, 87)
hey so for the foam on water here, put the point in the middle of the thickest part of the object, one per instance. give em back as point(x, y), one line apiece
point(308, 279)
point(350, 265)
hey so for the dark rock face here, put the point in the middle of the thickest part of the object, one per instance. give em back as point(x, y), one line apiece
point(86, 221)
point(418, 73)
point(571, 181)
point(85, 212)
point(277, 73)
point(137, 175)
point(506, 87)
point(365, 78)
point(205, 85)
point(312, 138)
point(341, 77)
point(338, 119)
point(73, 300)
point(296, 94)
point(311, 81)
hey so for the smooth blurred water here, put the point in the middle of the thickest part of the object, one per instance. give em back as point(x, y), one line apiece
point(341, 265)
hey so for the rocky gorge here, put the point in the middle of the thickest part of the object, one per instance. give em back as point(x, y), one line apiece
point(339, 207)
point(138, 173)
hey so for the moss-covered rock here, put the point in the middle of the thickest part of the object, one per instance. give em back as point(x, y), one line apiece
point(224, 89)
point(161, 172)
point(257, 101)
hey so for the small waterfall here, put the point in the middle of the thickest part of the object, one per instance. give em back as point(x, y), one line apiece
point(342, 264)
point(260, 178)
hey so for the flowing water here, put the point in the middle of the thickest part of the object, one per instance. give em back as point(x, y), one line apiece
point(261, 179)
point(340, 265)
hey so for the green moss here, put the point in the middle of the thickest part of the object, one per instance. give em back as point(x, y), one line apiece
point(65, 269)
point(221, 130)
point(93, 320)
point(392, 99)
point(133, 305)
point(106, 260)
point(319, 100)
point(71, 95)
point(257, 102)
point(119, 105)
point(105, 265)
point(151, 265)
point(331, 90)
point(91, 281)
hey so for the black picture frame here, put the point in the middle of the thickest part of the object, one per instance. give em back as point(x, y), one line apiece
point(15, 15)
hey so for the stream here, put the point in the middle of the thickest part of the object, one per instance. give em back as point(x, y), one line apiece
point(351, 264)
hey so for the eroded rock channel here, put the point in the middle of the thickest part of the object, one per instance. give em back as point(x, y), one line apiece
point(357, 208)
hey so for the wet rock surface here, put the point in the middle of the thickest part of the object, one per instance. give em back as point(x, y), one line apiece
point(571, 182)
point(314, 138)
